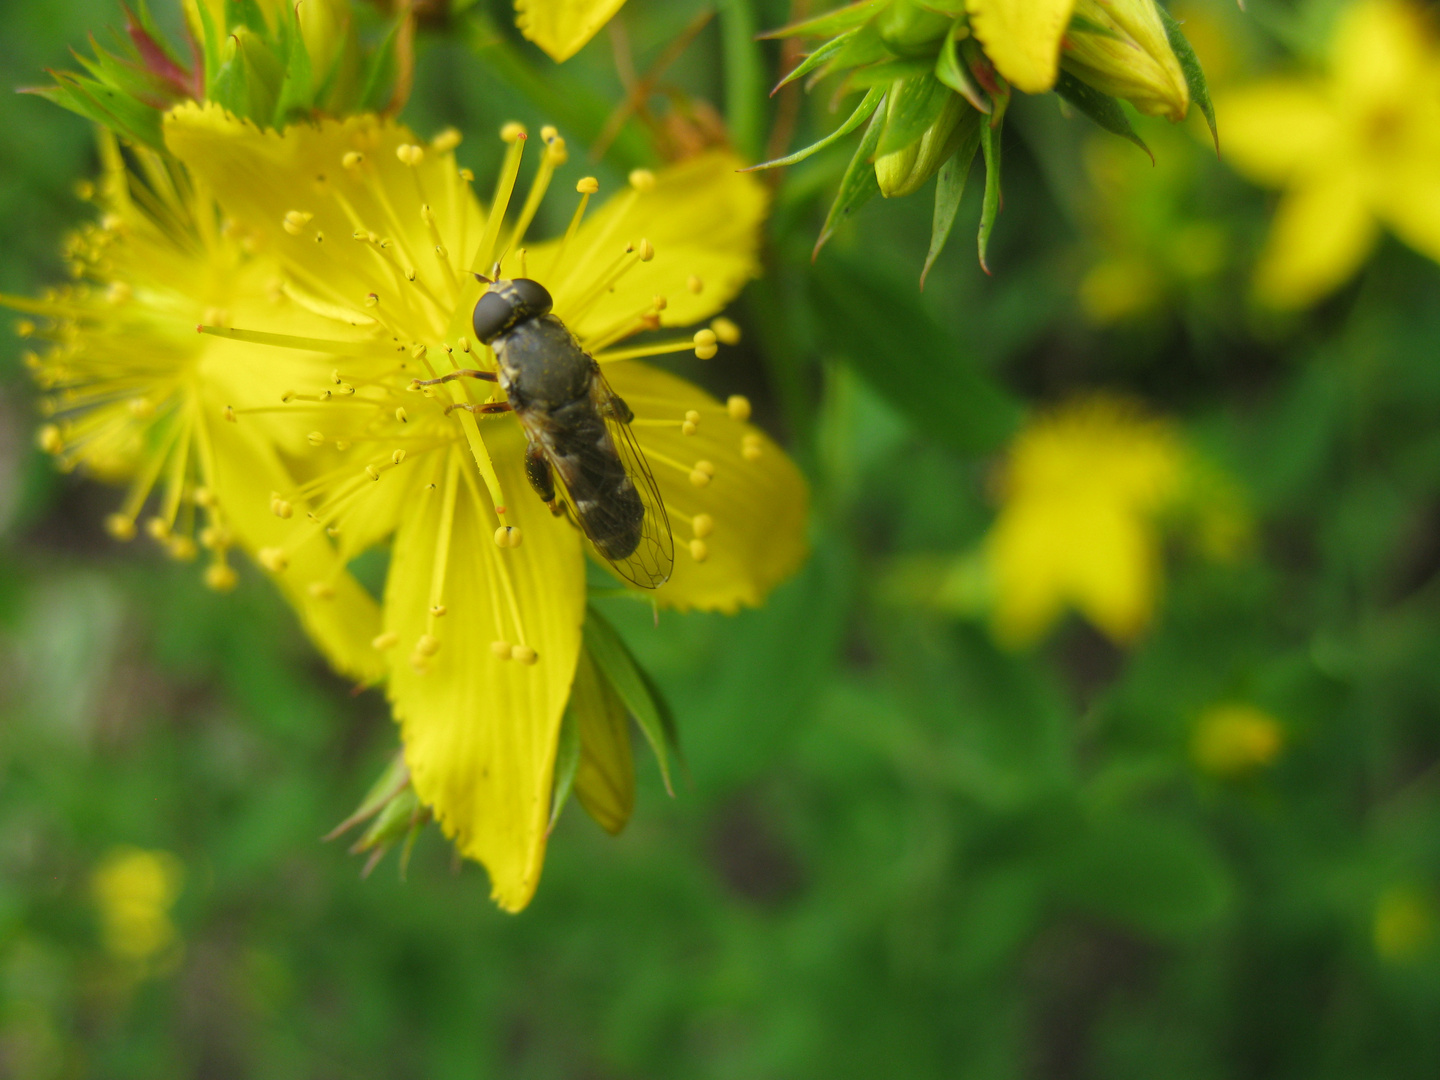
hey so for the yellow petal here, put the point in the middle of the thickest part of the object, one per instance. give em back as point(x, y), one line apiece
point(480, 732)
point(1022, 38)
point(1410, 205)
point(344, 618)
point(562, 27)
point(1322, 233)
point(703, 219)
point(1276, 130)
point(605, 780)
point(757, 506)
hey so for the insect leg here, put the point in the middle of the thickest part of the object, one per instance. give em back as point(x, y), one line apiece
point(471, 373)
point(537, 470)
point(618, 410)
point(488, 408)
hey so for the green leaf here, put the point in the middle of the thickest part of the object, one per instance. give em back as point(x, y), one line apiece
point(858, 186)
point(1194, 73)
point(950, 71)
point(567, 761)
point(909, 359)
point(867, 106)
point(1099, 107)
point(832, 22)
point(814, 60)
point(1156, 875)
point(883, 74)
point(949, 188)
point(990, 208)
point(614, 660)
point(605, 777)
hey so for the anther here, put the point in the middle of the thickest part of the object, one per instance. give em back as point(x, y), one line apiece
point(273, 559)
point(400, 415)
point(549, 133)
point(587, 185)
point(465, 344)
point(642, 180)
point(397, 457)
point(419, 351)
point(319, 237)
point(281, 508)
point(694, 284)
point(353, 160)
point(507, 536)
point(426, 214)
point(50, 440)
point(699, 550)
point(524, 653)
point(702, 525)
point(24, 328)
point(751, 447)
point(372, 472)
point(446, 141)
point(501, 649)
point(410, 154)
point(512, 131)
point(158, 528)
point(183, 549)
point(647, 250)
point(699, 478)
point(120, 526)
point(705, 345)
point(321, 590)
point(287, 397)
point(738, 406)
point(295, 221)
point(659, 303)
point(372, 299)
point(221, 577)
point(229, 414)
point(688, 427)
point(316, 438)
point(388, 640)
point(726, 331)
point(427, 645)
point(203, 497)
point(437, 610)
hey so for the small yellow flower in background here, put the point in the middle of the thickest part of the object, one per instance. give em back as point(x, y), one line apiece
point(134, 891)
point(562, 27)
point(377, 234)
point(1233, 739)
point(1354, 150)
point(1404, 925)
point(1082, 492)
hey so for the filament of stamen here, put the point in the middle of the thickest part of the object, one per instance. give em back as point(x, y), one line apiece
point(495, 563)
point(442, 540)
point(586, 187)
point(509, 170)
point(660, 348)
point(532, 201)
point(294, 341)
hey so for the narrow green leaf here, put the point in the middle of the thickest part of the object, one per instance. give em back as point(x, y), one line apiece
point(1099, 107)
point(859, 116)
point(1194, 73)
point(567, 762)
point(381, 71)
point(830, 23)
point(858, 186)
point(950, 71)
point(814, 60)
point(390, 783)
point(949, 188)
point(297, 91)
point(744, 78)
point(990, 208)
point(865, 47)
point(605, 777)
point(886, 72)
point(614, 661)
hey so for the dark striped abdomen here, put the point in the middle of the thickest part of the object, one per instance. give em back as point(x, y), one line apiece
point(582, 452)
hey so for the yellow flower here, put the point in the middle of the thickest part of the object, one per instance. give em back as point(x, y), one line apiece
point(486, 593)
point(1354, 150)
point(1234, 739)
point(1082, 490)
point(135, 395)
point(562, 27)
point(1404, 925)
point(135, 890)
point(1022, 38)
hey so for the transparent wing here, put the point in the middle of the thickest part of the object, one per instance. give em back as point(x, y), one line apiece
point(650, 564)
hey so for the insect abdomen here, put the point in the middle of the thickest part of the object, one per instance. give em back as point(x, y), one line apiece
point(610, 509)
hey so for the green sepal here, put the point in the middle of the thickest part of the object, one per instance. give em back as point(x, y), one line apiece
point(950, 71)
point(387, 786)
point(910, 109)
point(605, 775)
point(858, 186)
point(1099, 107)
point(815, 59)
point(1194, 73)
point(614, 660)
point(990, 208)
point(885, 73)
point(866, 46)
point(567, 763)
point(297, 91)
point(867, 106)
point(380, 72)
point(830, 23)
point(949, 189)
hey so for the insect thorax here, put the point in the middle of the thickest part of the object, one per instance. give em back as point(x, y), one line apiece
point(542, 364)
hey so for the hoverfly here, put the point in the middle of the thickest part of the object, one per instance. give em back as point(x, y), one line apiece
point(577, 430)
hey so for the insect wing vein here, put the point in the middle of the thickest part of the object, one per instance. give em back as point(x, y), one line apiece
point(653, 559)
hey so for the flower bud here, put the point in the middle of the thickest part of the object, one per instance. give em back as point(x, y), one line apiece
point(905, 170)
point(1120, 48)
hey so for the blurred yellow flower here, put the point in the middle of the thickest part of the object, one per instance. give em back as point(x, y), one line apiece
point(135, 396)
point(134, 890)
point(1404, 924)
point(1082, 489)
point(378, 234)
point(1354, 150)
point(562, 27)
point(1233, 739)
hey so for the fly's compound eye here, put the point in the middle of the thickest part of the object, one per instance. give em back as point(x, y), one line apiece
point(535, 296)
point(493, 313)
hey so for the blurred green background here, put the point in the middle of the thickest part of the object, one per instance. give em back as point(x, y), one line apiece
point(899, 849)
